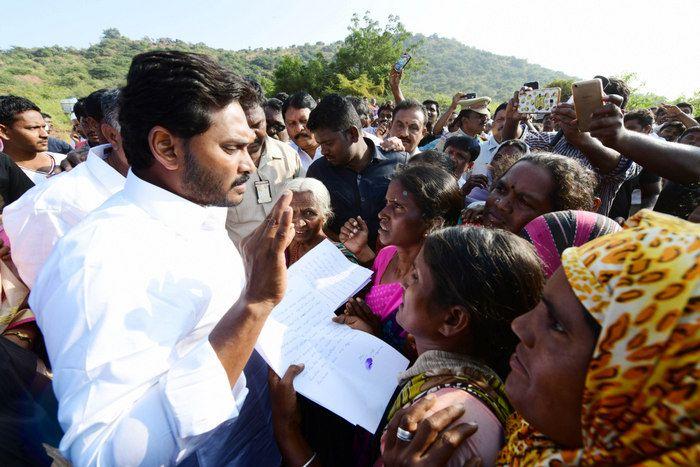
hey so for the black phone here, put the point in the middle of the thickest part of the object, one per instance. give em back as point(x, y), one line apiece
point(532, 85)
point(470, 95)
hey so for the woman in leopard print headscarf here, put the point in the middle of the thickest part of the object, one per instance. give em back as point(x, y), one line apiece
point(607, 368)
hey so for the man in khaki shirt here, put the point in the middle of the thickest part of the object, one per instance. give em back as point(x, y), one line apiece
point(276, 163)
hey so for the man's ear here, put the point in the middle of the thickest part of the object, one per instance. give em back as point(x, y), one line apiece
point(596, 204)
point(164, 146)
point(455, 321)
point(111, 134)
point(3, 131)
point(354, 133)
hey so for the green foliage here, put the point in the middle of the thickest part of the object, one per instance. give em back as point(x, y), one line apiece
point(358, 65)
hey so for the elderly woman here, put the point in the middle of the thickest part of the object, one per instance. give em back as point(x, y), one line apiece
point(311, 210)
point(419, 200)
point(606, 372)
point(458, 304)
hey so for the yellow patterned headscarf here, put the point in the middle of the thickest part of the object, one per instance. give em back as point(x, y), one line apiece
point(641, 403)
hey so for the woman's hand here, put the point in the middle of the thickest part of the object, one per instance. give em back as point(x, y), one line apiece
point(431, 442)
point(354, 234)
point(359, 316)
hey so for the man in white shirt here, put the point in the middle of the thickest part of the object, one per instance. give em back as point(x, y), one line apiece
point(146, 313)
point(295, 111)
point(36, 221)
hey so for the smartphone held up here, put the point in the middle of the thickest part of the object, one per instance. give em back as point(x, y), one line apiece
point(588, 97)
point(538, 101)
point(402, 62)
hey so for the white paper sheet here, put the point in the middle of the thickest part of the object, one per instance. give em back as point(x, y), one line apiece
point(349, 372)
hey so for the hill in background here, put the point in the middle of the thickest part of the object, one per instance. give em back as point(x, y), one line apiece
point(442, 66)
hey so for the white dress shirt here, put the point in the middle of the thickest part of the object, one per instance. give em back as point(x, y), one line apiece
point(39, 178)
point(305, 158)
point(36, 221)
point(126, 302)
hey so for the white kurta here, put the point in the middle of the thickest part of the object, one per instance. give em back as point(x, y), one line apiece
point(37, 220)
point(126, 302)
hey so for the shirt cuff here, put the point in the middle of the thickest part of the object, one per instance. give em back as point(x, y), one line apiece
point(198, 393)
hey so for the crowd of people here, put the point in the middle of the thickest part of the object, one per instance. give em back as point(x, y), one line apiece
point(543, 282)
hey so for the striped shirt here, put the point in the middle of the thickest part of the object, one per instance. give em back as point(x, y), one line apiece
point(608, 184)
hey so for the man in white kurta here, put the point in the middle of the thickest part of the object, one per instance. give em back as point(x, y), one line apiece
point(139, 303)
point(130, 296)
point(36, 221)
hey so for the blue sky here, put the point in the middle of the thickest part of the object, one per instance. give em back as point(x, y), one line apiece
point(655, 39)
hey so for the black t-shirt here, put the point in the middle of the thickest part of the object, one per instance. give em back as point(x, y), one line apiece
point(13, 182)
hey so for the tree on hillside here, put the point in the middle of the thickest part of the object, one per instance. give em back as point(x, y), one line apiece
point(564, 85)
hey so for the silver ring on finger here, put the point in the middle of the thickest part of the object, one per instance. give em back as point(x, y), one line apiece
point(404, 435)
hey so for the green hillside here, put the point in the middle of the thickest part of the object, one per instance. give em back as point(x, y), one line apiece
point(441, 67)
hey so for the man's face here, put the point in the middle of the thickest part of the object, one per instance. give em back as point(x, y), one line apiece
point(636, 126)
point(461, 159)
point(296, 120)
point(255, 117)
point(335, 145)
point(217, 163)
point(670, 133)
point(275, 124)
point(27, 133)
point(685, 109)
point(409, 126)
point(49, 125)
point(432, 112)
point(473, 123)
point(385, 115)
point(499, 120)
point(91, 129)
point(692, 138)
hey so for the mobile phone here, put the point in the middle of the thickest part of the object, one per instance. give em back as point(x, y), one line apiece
point(538, 101)
point(532, 85)
point(402, 62)
point(588, 97)
point(470, 95)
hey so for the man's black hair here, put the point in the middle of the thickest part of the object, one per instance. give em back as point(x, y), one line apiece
point(360, 105)
point(464, 143)
point(687, 106)
point(45, 115)
point(282, 96)
point(500, 107)
point(79, 108)
point(619, 87)
point(334, 113)
point(644, 116)
point(428, 102)
point(692, 129)
point(434, 157)
point(274, 104)
point(408, 104)
point(299, 100)
point(93, 105)
point(259, 95)
point(175, 90)
point(11, 106)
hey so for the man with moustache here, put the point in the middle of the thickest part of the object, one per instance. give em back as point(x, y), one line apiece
point(276, 163)
point(295, 112)
point(148, 311)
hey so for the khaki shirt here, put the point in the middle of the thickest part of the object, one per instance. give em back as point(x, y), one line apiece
point(279, 163)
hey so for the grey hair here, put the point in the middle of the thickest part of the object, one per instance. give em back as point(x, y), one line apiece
point(318, 190)
point(110, 108)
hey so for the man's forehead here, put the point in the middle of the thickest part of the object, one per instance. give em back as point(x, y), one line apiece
point(409, 116)
point(29, 116)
